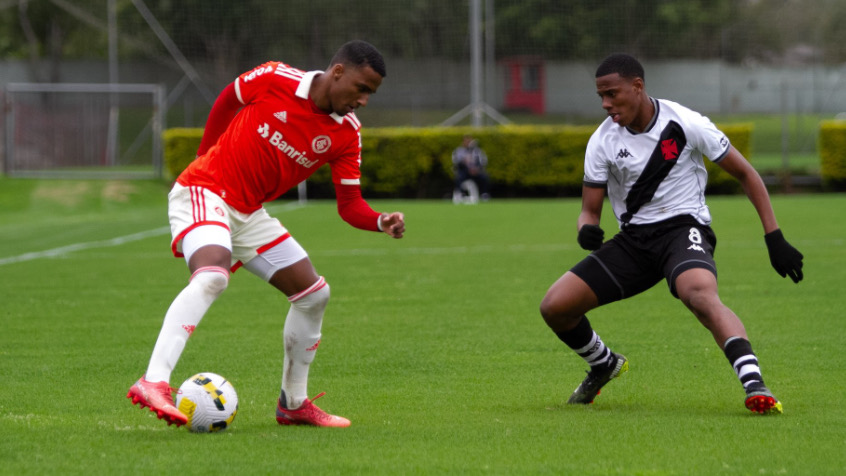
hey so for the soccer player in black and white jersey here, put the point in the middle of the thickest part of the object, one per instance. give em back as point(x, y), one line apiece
point(648, 156)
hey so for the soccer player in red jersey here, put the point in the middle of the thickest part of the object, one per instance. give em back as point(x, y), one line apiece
point(269, 130)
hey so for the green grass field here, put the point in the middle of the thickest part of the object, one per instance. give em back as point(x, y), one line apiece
point(433, 346)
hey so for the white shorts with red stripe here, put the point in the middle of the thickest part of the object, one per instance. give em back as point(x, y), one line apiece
point(252, 234)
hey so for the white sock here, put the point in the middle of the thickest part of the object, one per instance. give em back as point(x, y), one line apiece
point(302, 336)
point(182, 318)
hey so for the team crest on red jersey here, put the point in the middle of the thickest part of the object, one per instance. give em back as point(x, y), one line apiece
point(321, 144)
point(669, 149)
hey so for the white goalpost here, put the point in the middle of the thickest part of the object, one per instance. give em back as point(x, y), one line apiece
point(84, 130)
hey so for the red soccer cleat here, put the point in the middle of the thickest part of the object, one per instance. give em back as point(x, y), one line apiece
point(308, 414)
point(157, 396)
point(760, 400)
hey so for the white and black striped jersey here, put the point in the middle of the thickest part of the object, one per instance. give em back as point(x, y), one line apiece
point(659, 173)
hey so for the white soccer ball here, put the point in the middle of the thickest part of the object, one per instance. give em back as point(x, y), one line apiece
point(209, 401)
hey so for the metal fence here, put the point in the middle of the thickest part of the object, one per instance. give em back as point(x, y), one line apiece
point(471, 61)
point(83, 130)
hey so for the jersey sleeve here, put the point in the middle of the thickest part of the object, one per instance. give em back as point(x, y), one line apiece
point(346, 168)
point(225, 108)
point(596, 164)
point(250, 84)
point(235, 95)
point(706, 138)
point(354, 210)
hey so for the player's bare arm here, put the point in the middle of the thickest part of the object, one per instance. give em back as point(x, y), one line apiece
point(786, 260)
point(738, 167)
point(590, 235)
point(592, 199)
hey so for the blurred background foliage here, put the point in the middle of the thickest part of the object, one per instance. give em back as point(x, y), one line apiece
point(236, 34)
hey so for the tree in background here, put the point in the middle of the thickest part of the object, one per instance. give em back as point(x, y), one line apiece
point(233, 36)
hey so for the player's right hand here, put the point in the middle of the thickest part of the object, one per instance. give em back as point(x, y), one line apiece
point(590, 237)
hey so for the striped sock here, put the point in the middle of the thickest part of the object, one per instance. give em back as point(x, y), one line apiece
point(739, 353)
point(587, 343)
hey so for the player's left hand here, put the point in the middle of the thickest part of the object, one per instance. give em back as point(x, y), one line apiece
point(786, 259)
point(393, 224)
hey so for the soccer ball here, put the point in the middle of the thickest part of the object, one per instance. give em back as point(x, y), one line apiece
point(209, 401)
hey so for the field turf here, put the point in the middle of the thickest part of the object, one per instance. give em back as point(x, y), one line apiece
point(432, 345)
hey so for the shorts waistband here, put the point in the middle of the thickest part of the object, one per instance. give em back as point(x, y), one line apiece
point(672, 221)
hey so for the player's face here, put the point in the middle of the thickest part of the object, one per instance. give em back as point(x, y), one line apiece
point(621, 97)
point(351, 87)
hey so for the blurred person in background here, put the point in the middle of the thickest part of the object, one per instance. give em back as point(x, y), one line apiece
point(469, 163)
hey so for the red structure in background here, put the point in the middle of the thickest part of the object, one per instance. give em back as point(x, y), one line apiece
point(525, 83)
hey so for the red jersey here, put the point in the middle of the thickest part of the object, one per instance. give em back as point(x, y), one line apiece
point(277, 140)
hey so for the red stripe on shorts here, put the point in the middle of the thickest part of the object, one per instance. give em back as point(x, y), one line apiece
point(198, 204)
point(273, 243)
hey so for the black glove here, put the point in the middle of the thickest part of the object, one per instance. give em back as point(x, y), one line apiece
point(786, 259)
point(590, 237)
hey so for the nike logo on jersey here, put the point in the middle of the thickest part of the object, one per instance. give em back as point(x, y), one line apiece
point(276, 139)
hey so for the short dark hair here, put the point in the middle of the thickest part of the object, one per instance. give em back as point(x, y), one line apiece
point(360, 53)
point(621, 63)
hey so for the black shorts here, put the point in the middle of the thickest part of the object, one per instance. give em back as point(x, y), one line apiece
point(639, 256)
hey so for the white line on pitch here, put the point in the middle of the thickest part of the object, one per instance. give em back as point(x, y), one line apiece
point(84, 246)
point(62, 250)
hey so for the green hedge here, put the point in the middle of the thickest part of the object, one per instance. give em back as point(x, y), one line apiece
point(832, 147)
point(520, 158)
point(417, 162)
point(719, 181)
point(180, 148)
